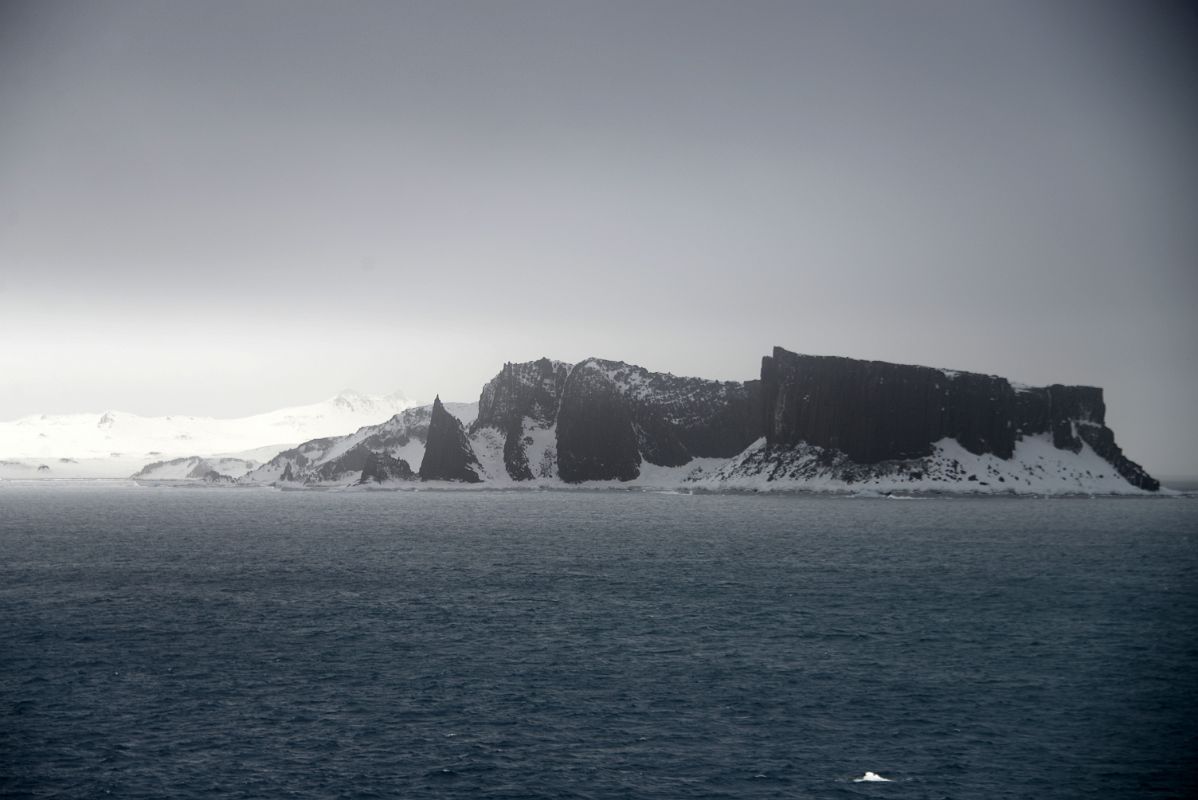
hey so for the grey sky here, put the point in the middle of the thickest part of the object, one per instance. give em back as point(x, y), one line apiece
point(221, 208)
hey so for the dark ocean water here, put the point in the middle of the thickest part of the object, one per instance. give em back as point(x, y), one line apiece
point(161, 643)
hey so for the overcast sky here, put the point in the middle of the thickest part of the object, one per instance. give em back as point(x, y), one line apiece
point(222, 208)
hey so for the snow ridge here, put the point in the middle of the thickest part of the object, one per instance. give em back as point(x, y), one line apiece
point(340, 460)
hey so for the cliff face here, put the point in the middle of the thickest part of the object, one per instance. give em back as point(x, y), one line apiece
point(810, 423)
point(596, 440)
point(521, 399)
point(599, 420)
point(873, 411)
point(678, 418)
point(447, 452)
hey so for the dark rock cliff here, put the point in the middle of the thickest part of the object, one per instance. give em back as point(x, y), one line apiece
point(873, 411)
point(521, 394)
point(611, 416)
point(596, 440)
point(447, 454)
point(614, 415)
point(1077, 414)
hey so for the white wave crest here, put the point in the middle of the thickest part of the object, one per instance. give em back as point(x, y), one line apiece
point(871, 777)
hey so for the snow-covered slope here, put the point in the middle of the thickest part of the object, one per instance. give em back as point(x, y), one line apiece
point(115, 443)
point(1036, 467)
point(194, 468)
point(339, 460)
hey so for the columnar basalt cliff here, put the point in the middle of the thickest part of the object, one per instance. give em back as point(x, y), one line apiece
point(873, 411)
point(447, 453)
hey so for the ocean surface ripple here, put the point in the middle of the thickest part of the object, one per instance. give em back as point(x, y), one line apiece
point(248, 644)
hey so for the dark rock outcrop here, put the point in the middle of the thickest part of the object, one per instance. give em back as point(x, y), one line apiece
point(1076, 414)
point(608, 416)
point(596, 440)
point(340, 459)
point(381, 467)
point(874, 411)
point(353, 460)
point(521, 394)
point(201, 470)
point(824, 420)
point(447, 454)
point(679, 418)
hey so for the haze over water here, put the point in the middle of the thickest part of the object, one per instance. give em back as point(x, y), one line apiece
point(173, 643)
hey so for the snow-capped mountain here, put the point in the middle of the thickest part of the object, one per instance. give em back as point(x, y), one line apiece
point(117, 444)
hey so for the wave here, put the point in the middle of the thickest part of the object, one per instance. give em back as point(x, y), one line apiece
point(871, 777)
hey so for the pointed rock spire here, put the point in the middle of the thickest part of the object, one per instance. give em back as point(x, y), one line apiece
point(447, 453)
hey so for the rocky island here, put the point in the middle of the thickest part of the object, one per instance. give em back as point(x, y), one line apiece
point(814, 423)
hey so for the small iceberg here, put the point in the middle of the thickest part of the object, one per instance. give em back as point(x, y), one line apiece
point(871, 777)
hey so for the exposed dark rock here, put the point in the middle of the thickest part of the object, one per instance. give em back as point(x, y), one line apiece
point(200, 470)
point(596, 440)
point(515, 455)
point(873, 411)
point(658, 441)
point(523, 393)
point(409, 425)
point(610, 416)
point(361, 459)
point(447, 452)
point(1102, 440)
point(353, 460)
point(380, 467)
point(680, 418)
point(315, 461)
